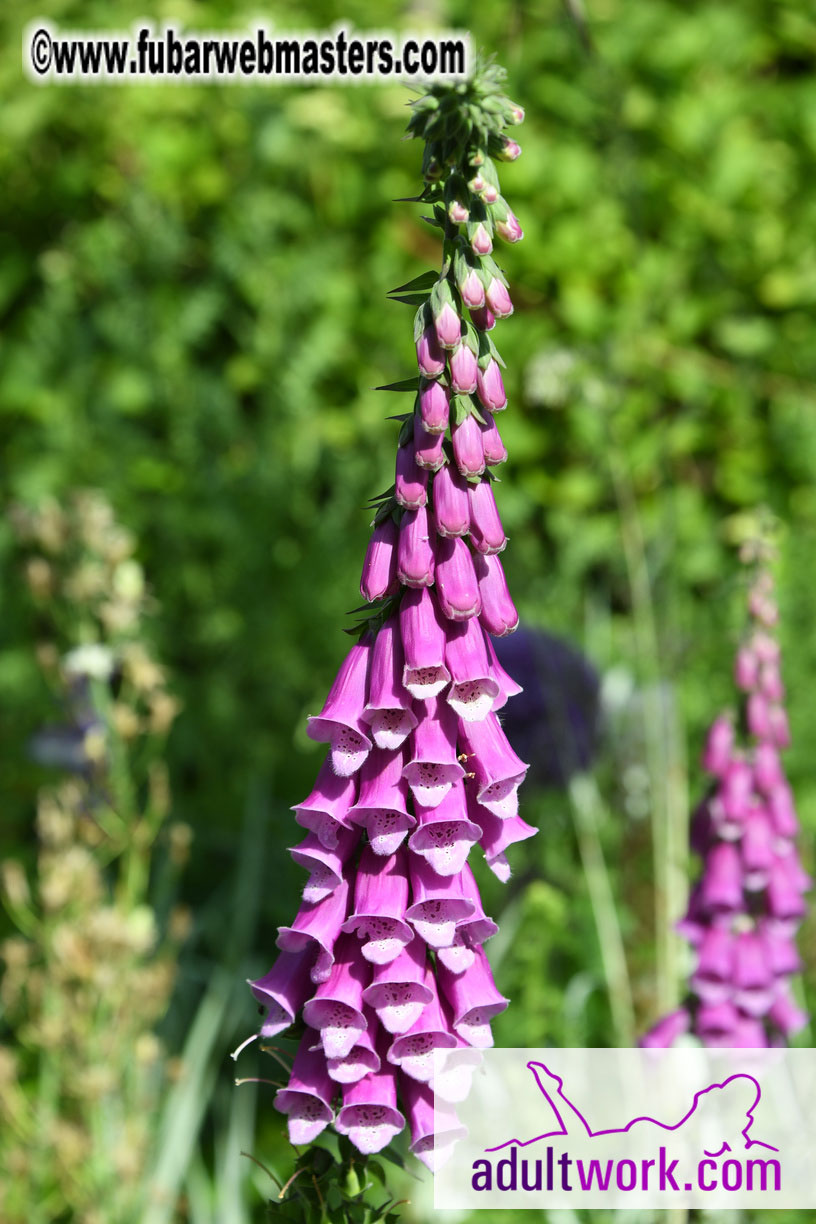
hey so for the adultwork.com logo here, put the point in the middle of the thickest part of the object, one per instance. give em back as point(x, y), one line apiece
point(634, 1128)
point(608, 1168)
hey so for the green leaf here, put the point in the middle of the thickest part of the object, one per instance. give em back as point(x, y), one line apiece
point(405, 384)
point(410, 299)
point(425, 280)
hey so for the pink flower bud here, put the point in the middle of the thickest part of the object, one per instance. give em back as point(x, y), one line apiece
point(757, 716)
point(746, 669)
point(472, 290)
point(463, 369)
point(481, 243)
point(415, 559)
point(430, 357)
point(494, 449)
point(379, 576)
point(517, 114)
point(456, 587)
point(719, 746)
point(448, 326)
point(498, 299)
point(509, 228)
point(511, 150)
point(468, 448)
point(490, 194)
point(410, 481)
point(498, 615)
point(770, 682)
point(490, 386)
point(486, 531)
point(478, 183)
point(767, 768)
point(450, 502)
point(457, 212)
point(428, 452)
point(484, 319)
point(434, 407)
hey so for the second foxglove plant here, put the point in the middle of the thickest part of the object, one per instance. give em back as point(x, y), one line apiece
point(384, 962)
point(746, 908)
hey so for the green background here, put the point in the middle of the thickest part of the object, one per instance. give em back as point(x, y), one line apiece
point(193, 320)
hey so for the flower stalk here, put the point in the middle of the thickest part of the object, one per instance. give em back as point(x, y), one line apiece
point(385, 961)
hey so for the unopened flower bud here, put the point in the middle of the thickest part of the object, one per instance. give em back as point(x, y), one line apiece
point(379, 576)
point(434, 407)
point(486, 531)
point(490, 386)
point(450, 501)
point(511, 151)
point(472, 290)
point(468, 448)
point(430, 355)
point(410, 480)
point(509, 228)
point(494, 449)
point(415, 560)
point(448, 326)
point(457, 212)
point(484, 319)
point(480, 241)
point(463, 369)
point(498, 299)
point(428, 452)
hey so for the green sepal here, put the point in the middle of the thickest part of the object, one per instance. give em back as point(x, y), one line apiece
point(471, 337)
point(498, 210)
point(494, 352)
point(441, 296)
point(485, 352)
point(463, 406)
point(420, 322)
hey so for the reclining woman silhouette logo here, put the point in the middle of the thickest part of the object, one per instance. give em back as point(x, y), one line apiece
point(741, 1095)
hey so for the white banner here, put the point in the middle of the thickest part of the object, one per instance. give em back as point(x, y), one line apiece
point(572, 1128)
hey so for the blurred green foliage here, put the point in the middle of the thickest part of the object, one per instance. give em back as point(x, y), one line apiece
point(192, 292)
